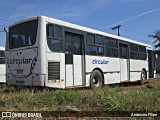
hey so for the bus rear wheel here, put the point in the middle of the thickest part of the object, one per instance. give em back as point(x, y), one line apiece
point(96, 80)
point(143, 77)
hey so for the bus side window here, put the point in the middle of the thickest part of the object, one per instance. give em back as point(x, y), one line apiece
point(50, 31)
point(107, 43)
point(54, 37)
point(99, 40)
point(142, 52)
point(90, 40)
point(100, 50)
point(57, 32)
point(113, 48)
point(134, 54)
point(95, 45)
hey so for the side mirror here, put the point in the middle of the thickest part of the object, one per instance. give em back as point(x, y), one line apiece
point(7, 38)
point(5, 30)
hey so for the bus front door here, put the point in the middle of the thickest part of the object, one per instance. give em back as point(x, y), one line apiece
point(124, 62)
point(74, 59)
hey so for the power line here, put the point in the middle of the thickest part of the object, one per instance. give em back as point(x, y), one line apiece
point(131, 18)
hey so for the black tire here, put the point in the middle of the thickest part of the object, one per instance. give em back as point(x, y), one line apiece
point(96, 80)
point(143, 77)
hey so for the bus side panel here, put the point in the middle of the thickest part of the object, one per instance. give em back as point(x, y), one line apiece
point(93, 62)
point(113, 73)
point(56, 58)
point(136, 67)
point(109, 66)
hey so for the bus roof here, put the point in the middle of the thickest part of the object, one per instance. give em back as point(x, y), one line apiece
point(78, 27)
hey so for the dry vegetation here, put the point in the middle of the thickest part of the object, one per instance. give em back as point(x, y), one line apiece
point(124, 97)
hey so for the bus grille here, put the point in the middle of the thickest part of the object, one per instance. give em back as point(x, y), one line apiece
point(53, 70)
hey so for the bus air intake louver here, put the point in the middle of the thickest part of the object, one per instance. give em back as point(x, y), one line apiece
point(53, 70)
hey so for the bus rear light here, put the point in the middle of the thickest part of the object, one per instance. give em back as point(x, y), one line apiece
point(33, 64)
point(62, 80)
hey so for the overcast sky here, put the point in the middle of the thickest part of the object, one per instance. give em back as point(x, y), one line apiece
point(139, 18)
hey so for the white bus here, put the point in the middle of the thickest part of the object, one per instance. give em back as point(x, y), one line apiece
point(2, 65)
point(43, 51)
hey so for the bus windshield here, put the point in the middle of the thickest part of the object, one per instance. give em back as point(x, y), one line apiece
point(23, 34)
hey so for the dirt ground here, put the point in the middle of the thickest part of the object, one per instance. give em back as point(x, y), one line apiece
point(158, 75)
point(152, 83)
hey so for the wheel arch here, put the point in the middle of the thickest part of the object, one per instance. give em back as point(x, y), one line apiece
point(100, 72)
point(145, 72)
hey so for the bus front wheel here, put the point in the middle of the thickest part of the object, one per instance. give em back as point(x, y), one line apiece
point(96, 80)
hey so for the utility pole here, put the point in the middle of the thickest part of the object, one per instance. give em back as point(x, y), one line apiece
point(117, 28)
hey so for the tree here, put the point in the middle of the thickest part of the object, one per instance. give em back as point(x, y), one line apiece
point(156, 38)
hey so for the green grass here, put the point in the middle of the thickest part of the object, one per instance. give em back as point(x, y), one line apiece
point(108, 98)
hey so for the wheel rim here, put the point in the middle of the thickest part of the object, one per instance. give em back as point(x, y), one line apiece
point(96, 81)
point(143, 76)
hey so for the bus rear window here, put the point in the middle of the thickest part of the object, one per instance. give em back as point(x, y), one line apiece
point(23, 34)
